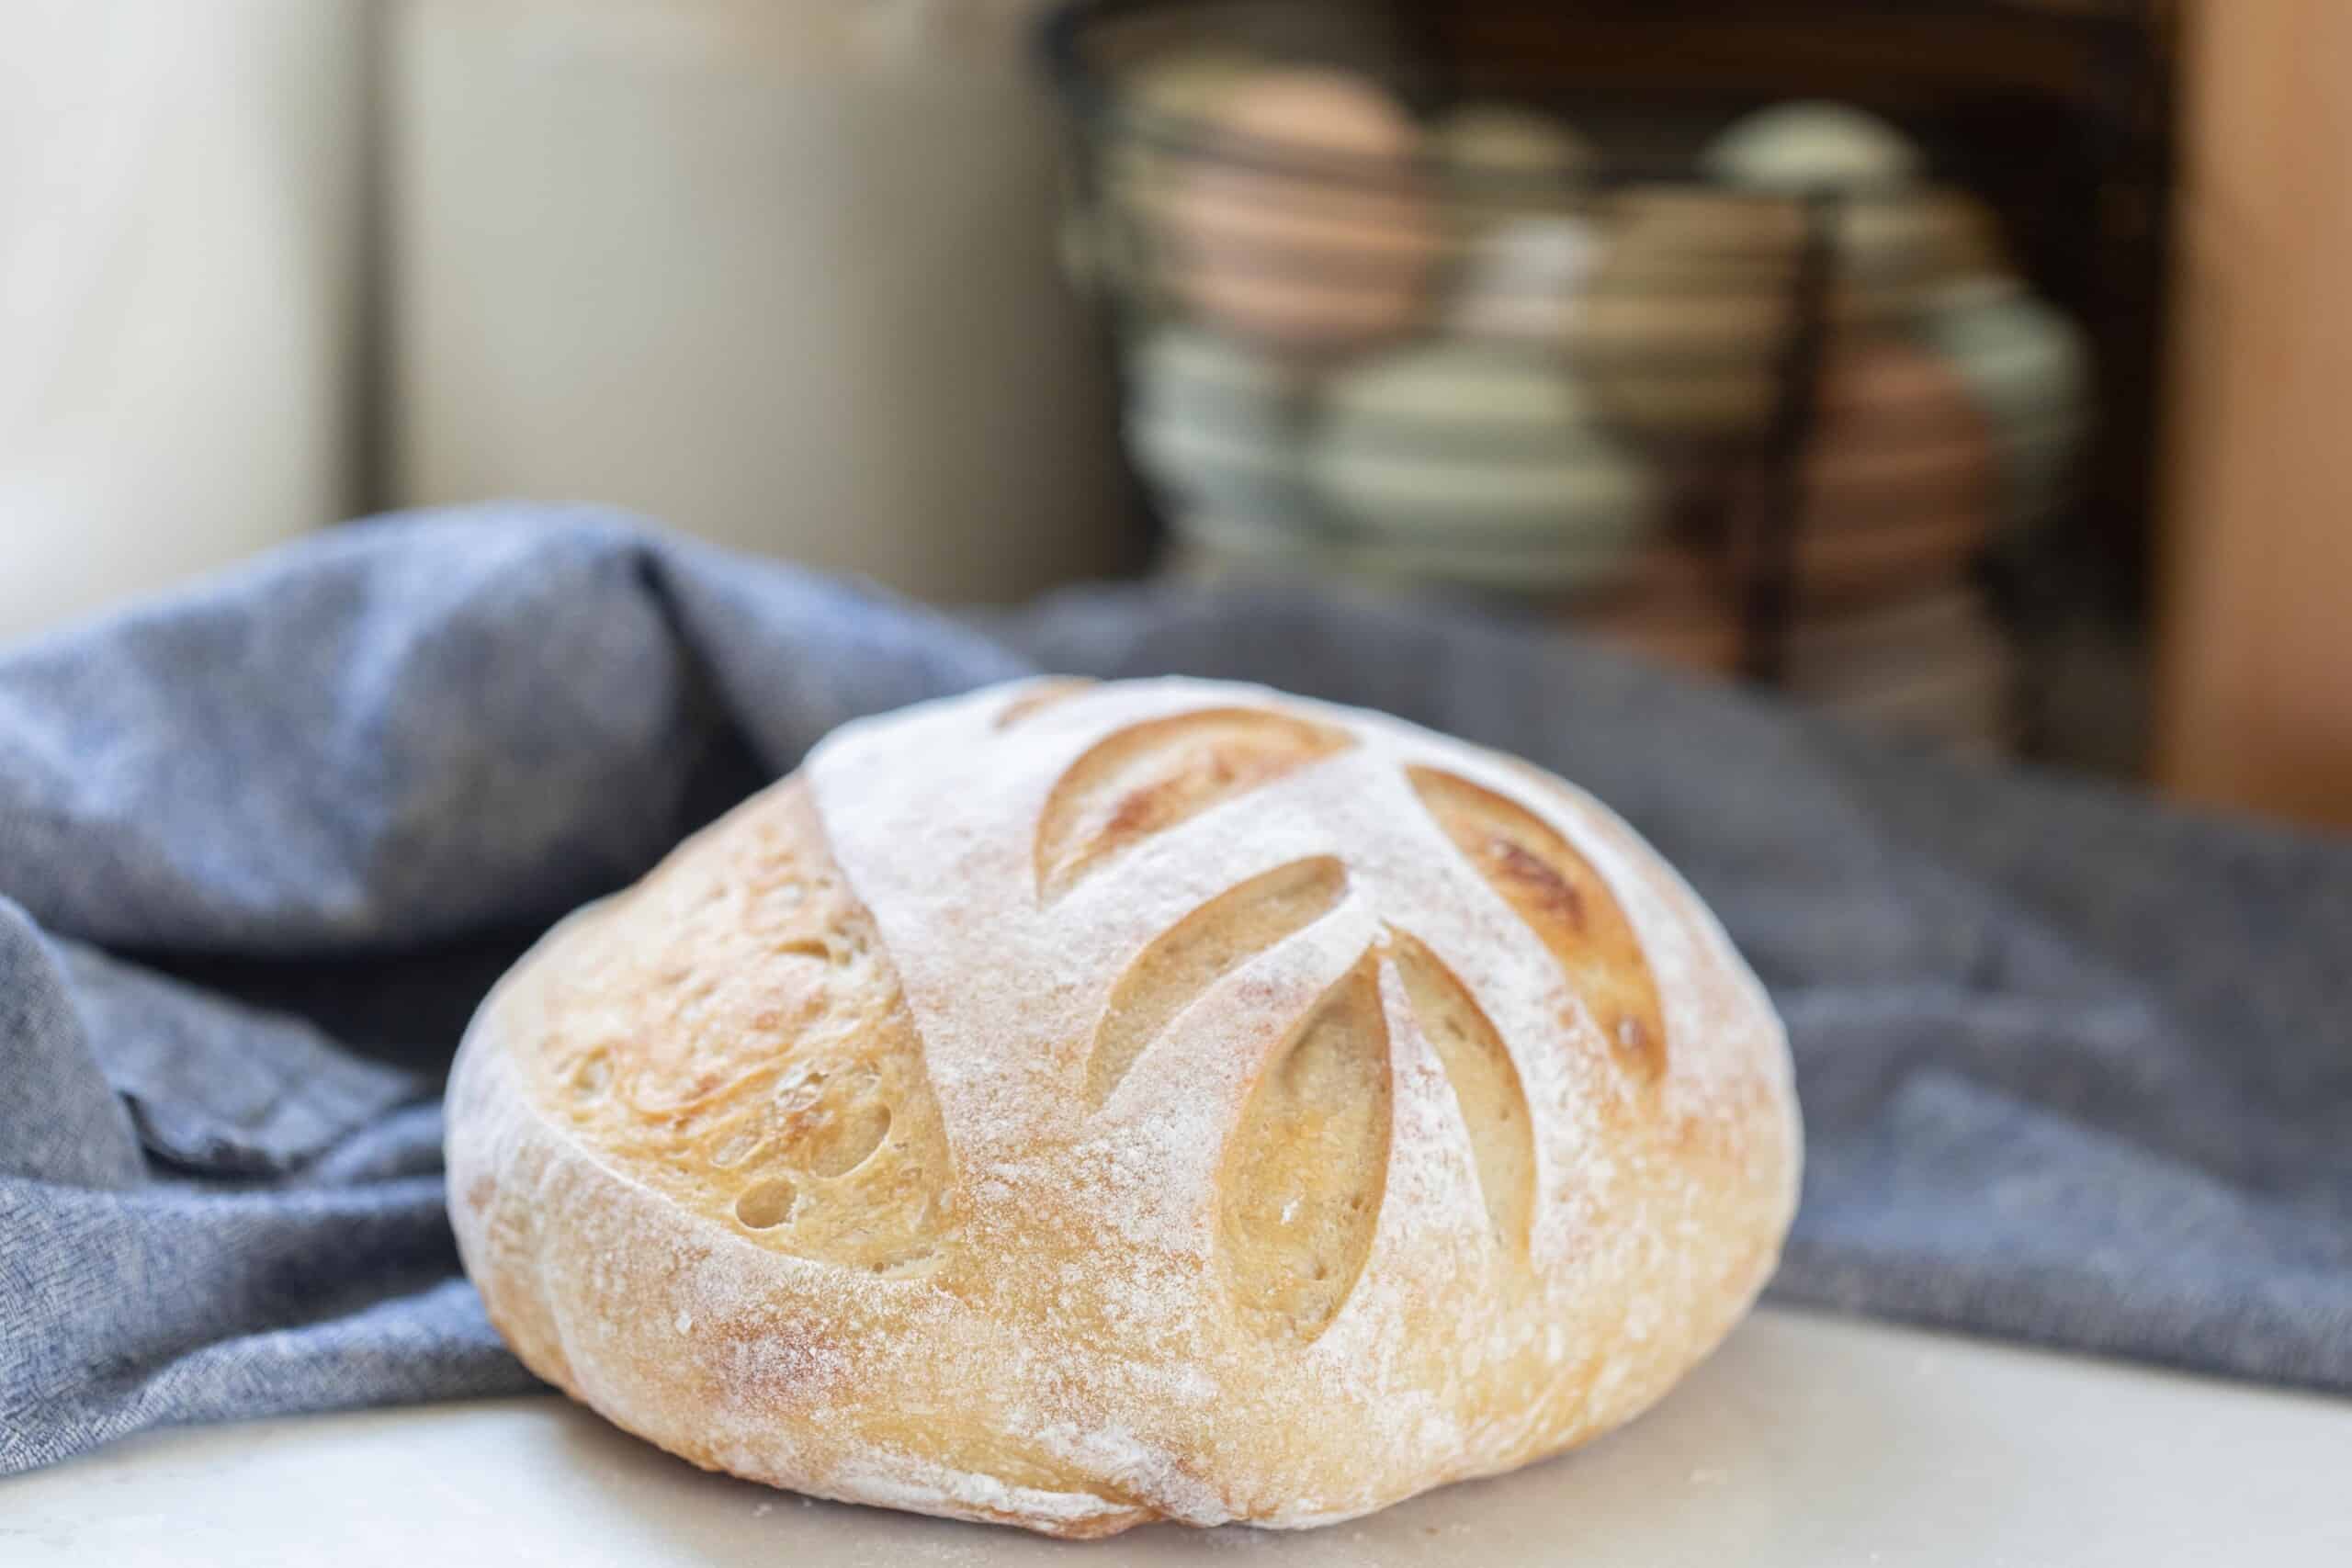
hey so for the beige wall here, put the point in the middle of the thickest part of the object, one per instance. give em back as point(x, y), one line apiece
point(179, 190)
point(780, 272)
point(777, 272)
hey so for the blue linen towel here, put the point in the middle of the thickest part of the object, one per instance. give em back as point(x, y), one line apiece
point(2077, 1069)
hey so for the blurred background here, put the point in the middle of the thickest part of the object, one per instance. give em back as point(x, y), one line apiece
point(1972, 370)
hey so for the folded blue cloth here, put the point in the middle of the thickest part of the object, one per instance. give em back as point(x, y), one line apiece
point(2077, 1069)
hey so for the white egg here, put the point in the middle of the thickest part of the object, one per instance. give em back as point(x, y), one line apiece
point(1213, 425)
point(2027, 366)
point(1521, 281)
point(1812, 143)
point(1467, 464)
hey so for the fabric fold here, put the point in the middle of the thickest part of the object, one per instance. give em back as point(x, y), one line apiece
point(2077, 1069)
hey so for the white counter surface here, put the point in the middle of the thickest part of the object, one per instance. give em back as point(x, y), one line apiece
point(1808, 1442)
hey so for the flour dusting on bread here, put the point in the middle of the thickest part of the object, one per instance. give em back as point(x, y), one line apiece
point(1071, 1105)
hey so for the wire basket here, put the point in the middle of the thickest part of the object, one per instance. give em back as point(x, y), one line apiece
point(1756, 387)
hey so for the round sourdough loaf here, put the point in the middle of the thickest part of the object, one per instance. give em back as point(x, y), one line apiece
point(1076, 1105)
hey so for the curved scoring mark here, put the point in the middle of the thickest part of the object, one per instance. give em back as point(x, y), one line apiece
point(1148, 778)
point(1038, 696)
point(1300, 1192)
point(1485, 1084)
point(1199, 950)
point(1562, 899)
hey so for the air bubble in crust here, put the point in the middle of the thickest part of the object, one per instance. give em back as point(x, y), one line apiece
point(848, 1140)
point(766, 1204)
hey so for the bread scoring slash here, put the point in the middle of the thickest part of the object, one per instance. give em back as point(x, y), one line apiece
point(1073, 1105)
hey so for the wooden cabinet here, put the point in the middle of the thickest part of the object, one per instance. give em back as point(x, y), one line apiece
point(2254, 672)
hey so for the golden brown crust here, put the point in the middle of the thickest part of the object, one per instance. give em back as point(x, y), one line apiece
point(732, 1035)
point(1289, 1113)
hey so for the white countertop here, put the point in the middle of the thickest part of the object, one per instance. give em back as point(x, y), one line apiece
point(1808, 1442)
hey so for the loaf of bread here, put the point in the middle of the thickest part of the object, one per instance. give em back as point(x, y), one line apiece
point(1076, 1105)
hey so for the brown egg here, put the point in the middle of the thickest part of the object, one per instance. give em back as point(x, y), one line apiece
point(1897, 477)
point(1893, 252)
point(1935, 669)
point(1933, 665)
point(1681, 609)
point(1682, 326)
point(1159, 108)
point(1309, 225)
point(1897, 235)
point(1906, 641)
point(1680, 329)
point(1502, 163)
